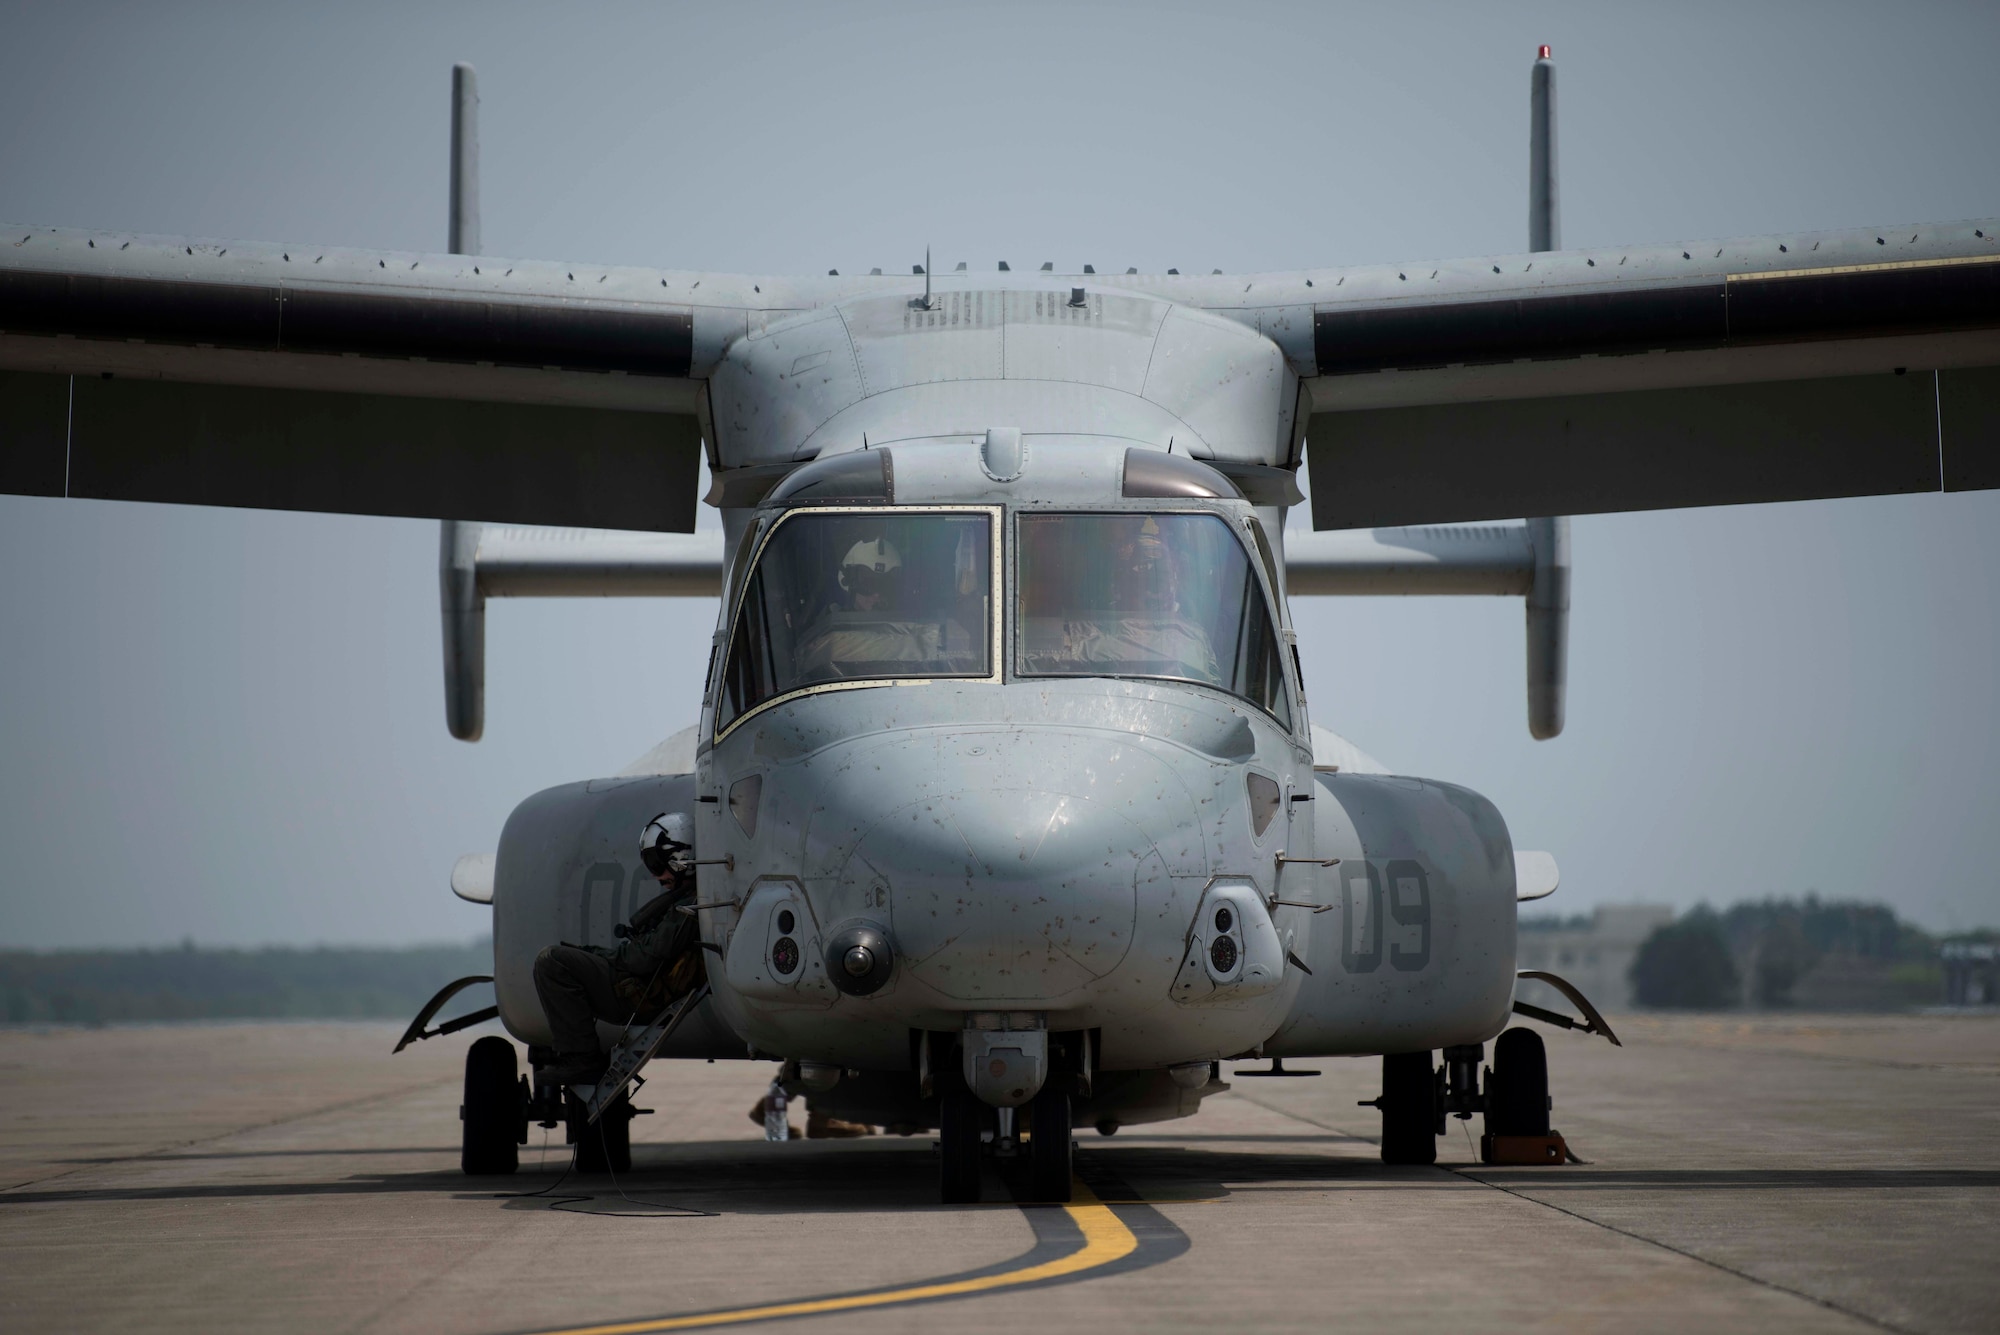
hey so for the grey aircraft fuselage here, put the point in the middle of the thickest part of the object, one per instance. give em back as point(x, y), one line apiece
point(1124, 847)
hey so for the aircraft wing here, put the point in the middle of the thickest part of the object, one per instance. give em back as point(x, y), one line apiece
point(155, 369)
point(1772, 368)
point(1642, 377)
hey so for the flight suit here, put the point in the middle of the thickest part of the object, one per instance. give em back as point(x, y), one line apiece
point(634, 981)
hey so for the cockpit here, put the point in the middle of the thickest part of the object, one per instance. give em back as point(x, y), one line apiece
point(843, 596)
point(1163, 595)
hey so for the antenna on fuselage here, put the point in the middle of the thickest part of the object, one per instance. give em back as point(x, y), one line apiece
point(1548, 598)
point(464, 611)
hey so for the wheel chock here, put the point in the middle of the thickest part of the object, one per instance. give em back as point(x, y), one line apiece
point(1543, 1150)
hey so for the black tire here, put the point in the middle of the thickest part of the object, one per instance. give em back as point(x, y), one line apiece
point(606, 1146)
point(1409, 1108)
point(1517, 1092)
point(1049, 1146)
point(491, 1118)
point(960, 1120)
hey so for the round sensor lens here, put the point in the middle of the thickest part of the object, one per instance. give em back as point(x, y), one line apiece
point(1223, 918)
point(785, 955)
point(785, 920)
point(1222, 954)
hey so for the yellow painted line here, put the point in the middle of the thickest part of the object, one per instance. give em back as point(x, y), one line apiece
point(1105, 1239)
point(1864, 268)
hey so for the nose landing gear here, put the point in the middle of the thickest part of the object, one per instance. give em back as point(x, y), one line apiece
point(1049, 1146)
point(1028, 1131)
point(963, 1123)
point(969, 1131)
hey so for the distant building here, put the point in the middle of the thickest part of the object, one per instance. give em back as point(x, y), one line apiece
point(1971, 973)
point(1596, 954)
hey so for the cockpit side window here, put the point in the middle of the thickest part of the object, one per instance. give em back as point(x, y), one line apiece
point(1169, 595)
point(847, 596)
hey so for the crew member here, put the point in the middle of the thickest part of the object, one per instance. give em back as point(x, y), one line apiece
point(658, 961)
point(871, 574)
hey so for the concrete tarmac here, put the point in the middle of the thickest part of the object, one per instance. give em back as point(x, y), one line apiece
point(1757, 1173)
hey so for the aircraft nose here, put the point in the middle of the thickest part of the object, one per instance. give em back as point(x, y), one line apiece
point(1020, 877)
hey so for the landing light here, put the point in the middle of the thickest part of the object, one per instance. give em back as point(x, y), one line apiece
point(859, 959)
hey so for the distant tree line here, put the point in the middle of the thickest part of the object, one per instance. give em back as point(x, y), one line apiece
point(198, 983)
point(1757, 952)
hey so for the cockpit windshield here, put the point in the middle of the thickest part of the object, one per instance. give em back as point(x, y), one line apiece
point(843, 596)
point(1147, 595)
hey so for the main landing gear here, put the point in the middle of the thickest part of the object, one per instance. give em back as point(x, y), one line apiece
point(493, 1120)
point(1418, 1097)
point(500, 1103)
point(969, 1132)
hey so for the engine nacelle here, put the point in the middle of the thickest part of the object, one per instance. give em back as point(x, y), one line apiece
point(568, 871)
point(1417, 950)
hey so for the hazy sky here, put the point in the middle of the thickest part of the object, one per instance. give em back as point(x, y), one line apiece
point(229, 725)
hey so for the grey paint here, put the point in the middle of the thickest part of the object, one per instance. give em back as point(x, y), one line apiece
point(1544, 201)
point(1495, 559)
point(462, 234)
point(1548, 626)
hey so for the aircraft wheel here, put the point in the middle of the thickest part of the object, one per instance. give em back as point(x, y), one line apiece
point(1517, 1092)
point(961, 1118)
point(1409, 1108)
point(1049, 1146)
point(490, 1117)
point(607, 1146)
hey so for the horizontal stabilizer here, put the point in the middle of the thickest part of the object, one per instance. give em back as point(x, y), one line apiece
point(476, 562)
point(1529, 560)
point(1464, 559)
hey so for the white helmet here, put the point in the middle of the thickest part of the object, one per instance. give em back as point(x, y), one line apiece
point(667, 844)
point(869, 565)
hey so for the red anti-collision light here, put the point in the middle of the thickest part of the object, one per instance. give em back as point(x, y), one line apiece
point(1544, 54)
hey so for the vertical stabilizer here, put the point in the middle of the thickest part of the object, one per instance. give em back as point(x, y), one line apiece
point(463, 610)
point(1548, 602)
point(464, 234)
point(1544, 206)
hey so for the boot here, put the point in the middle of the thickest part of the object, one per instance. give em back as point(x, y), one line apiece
point(819, 1126)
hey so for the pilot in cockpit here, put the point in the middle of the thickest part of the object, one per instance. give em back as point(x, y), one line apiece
point(878, 624)
point(1144, 581)
point(1137, 622)
point(871, 577)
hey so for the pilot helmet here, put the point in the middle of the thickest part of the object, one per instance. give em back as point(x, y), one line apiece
point(871, 567)
point(667, 844)
point(1143, 569)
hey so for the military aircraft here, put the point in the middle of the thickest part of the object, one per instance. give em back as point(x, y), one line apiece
point(1011, 814)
